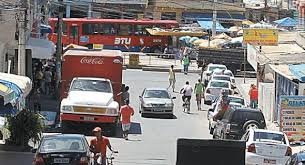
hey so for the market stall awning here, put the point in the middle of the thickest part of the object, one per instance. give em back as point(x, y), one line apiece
point(209, 24)
point(209, 16)
point(41, 48)
point(286, 22)
point(8, 94)
point(45, 28)
point(155, 32)
point(21, 85)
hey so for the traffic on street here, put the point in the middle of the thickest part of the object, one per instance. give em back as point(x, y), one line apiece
point(152, 82)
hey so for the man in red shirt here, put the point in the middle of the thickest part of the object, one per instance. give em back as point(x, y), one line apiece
point(99, 144)
point(126, 113)
point(253, 92)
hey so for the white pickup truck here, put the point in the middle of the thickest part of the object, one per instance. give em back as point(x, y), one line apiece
point(89, 100)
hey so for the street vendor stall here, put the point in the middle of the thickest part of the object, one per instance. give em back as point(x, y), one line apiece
point(13, 89)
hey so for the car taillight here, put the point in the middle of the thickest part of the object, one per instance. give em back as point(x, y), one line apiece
point(38, 160)
point(83, 160)
point(228, 128)
point(251, 148)
point(208, 91)
point(289, 151)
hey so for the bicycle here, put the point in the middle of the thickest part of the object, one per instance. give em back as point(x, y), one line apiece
point(109, 159)
point(187, 105)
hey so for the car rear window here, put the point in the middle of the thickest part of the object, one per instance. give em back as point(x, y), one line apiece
point(237, 100)
point(222, 78)
point(260, 136)
point(245, 116)
point(219, 84)
point(62, 144)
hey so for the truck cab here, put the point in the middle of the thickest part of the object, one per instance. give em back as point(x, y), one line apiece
point(91, 83)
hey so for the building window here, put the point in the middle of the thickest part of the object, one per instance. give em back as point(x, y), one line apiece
point(168, 16)
point(1, 17)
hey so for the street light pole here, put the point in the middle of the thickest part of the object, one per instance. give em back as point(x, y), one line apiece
point(214, 18)
point(59, 46)
point(22, 26)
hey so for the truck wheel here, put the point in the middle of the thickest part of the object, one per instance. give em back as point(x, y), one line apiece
point(64, 127)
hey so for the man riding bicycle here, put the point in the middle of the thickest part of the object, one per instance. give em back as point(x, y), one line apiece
point(187, 91)
point(99, 145)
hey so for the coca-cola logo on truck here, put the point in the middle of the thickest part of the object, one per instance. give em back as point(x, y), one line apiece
point(92, 60)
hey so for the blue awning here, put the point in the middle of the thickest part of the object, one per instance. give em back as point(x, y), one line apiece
point(209, 16)
point(209, 24)
point(286, 22)
point(45, 29)
point(298, 71)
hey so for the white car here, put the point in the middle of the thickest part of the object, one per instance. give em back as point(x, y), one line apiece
point(229, 73)
point(235, 101)
point(223, 77)
point(211, 68)
point(214, 88)
point(266, 147)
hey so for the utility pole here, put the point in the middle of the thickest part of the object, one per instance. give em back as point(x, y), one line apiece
point(214, 18)
point(59, 45)
point(22, 27)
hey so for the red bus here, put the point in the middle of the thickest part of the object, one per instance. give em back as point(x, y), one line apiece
point(122, 34)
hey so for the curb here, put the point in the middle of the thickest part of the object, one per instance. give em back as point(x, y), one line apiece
point(161, 69)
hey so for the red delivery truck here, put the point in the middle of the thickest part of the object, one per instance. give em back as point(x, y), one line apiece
point(90, 87)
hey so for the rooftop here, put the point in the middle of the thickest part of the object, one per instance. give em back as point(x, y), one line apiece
point(286, 52)
point(283, 69)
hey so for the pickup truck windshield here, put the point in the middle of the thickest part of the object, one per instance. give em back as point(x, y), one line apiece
point(91, 85)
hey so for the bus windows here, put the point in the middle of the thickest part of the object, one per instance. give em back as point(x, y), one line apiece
point(89, 29)
point(141, 30)
point(64, 28)
point(109, 29)
point(125, 30)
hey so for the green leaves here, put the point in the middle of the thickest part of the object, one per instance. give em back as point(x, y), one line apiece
point(23, 127)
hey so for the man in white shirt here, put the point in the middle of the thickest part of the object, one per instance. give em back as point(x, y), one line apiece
point(187, 91)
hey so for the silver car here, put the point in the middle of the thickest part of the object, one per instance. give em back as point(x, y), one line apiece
point(156, 101)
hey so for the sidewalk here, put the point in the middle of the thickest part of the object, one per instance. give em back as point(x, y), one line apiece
point(154, 63)
point(243, 90)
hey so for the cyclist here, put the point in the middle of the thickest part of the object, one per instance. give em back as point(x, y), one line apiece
point(99, 145)
point(187, 91)
point(199, 88)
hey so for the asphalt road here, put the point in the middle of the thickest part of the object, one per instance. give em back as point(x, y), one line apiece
point(153, 140)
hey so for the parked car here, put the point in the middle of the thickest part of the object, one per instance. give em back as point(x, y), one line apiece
point(214, 89)
point(235, 102)
point(266, 147)
point(297, 159)
point(211, 68)
point(229, 73)
point(156, 101)
point(225, 78)
point(235, 122)
point(63, 149)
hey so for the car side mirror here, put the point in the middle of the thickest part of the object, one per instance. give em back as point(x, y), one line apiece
point(34, 150)
point(174, 97)
point(140, 97)
point(211, 110)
